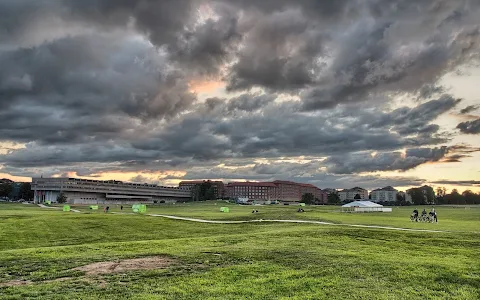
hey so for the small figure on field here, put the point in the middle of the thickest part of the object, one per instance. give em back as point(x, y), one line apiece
point(104, 209)
point(108, 208)
point(121, 207)
point(433, 216)
point(414, 216)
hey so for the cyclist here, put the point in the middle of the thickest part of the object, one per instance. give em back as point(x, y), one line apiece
point(433, 215)
point(415, 214)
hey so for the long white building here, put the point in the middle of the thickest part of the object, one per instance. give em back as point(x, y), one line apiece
point(350, 194)
point(386, 194)
point(86, 191)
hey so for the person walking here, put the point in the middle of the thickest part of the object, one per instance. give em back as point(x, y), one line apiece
point(121, 207)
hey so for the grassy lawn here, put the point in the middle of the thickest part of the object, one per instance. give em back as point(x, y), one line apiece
point(450, 218)
point(239, 261)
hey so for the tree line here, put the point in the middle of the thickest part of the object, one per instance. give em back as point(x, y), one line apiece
point(467, 197)
point(424, 195)
point(202, 192)
point(7, 190)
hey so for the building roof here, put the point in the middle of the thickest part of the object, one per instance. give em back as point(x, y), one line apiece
point(355, 189)
point(248, 183)
point(387, 188)
point(285, 182)
point(362, 204)
point(307, 185)
point(198, 181)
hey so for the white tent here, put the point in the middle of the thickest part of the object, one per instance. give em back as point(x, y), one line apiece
point(364, 206)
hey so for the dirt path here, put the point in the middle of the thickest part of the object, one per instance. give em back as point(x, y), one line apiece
point(273, 221)
point(53, 207)
point(294, 221)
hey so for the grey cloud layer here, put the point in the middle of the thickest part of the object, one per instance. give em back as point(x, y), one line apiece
point(279, 129)
point(470, 127)
point(107, 81)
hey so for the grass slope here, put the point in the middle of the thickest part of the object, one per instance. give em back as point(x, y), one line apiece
point(240, 261)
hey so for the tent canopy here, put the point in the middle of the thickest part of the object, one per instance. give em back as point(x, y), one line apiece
point(362, 204)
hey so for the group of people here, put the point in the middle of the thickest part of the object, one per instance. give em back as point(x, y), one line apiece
point(107, 209)
point(432, 215)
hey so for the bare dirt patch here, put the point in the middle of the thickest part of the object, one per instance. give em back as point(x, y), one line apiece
point(146, 263)
point(15, 283)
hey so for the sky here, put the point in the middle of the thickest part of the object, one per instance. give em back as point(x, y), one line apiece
point(338, 94)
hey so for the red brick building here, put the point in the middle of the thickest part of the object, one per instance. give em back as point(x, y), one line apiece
point(286, 191)
point(252, 190)
point(317, 193)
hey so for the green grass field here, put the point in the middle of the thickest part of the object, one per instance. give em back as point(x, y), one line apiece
point(239, 261)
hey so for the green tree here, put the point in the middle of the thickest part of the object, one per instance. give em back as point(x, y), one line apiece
point(418, 198)
point(333, 198)
point(26, 191)
point(61, 198)
point(455, 197)
point(429, 194)
point(469, 197)
point(441, 191)
point(210, 193)
point(308, 198)
point(5, 189)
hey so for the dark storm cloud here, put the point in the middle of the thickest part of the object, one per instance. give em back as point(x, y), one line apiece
point(16, 16)
point(469, 109)
point(280, 129)
point(74, 89)
point(278, 53)
point(470, 127)
point(208, 46)
point(389, 161)
point(244, 103)
point(408, 121)
point(396, 161)
point(379, 50)
point(429, 90)
point(160, 20)
point(458, 182)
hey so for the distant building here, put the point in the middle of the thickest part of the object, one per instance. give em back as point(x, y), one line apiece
point(317, 193)
point(286, 191)
point(356, 193)
point(218, 186)
point(329, 190)
point(386, 194)
point(265, 191)
point(86, 191)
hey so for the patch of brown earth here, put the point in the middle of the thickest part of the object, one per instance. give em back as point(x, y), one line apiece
point(146, 263)
point(15, 283)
